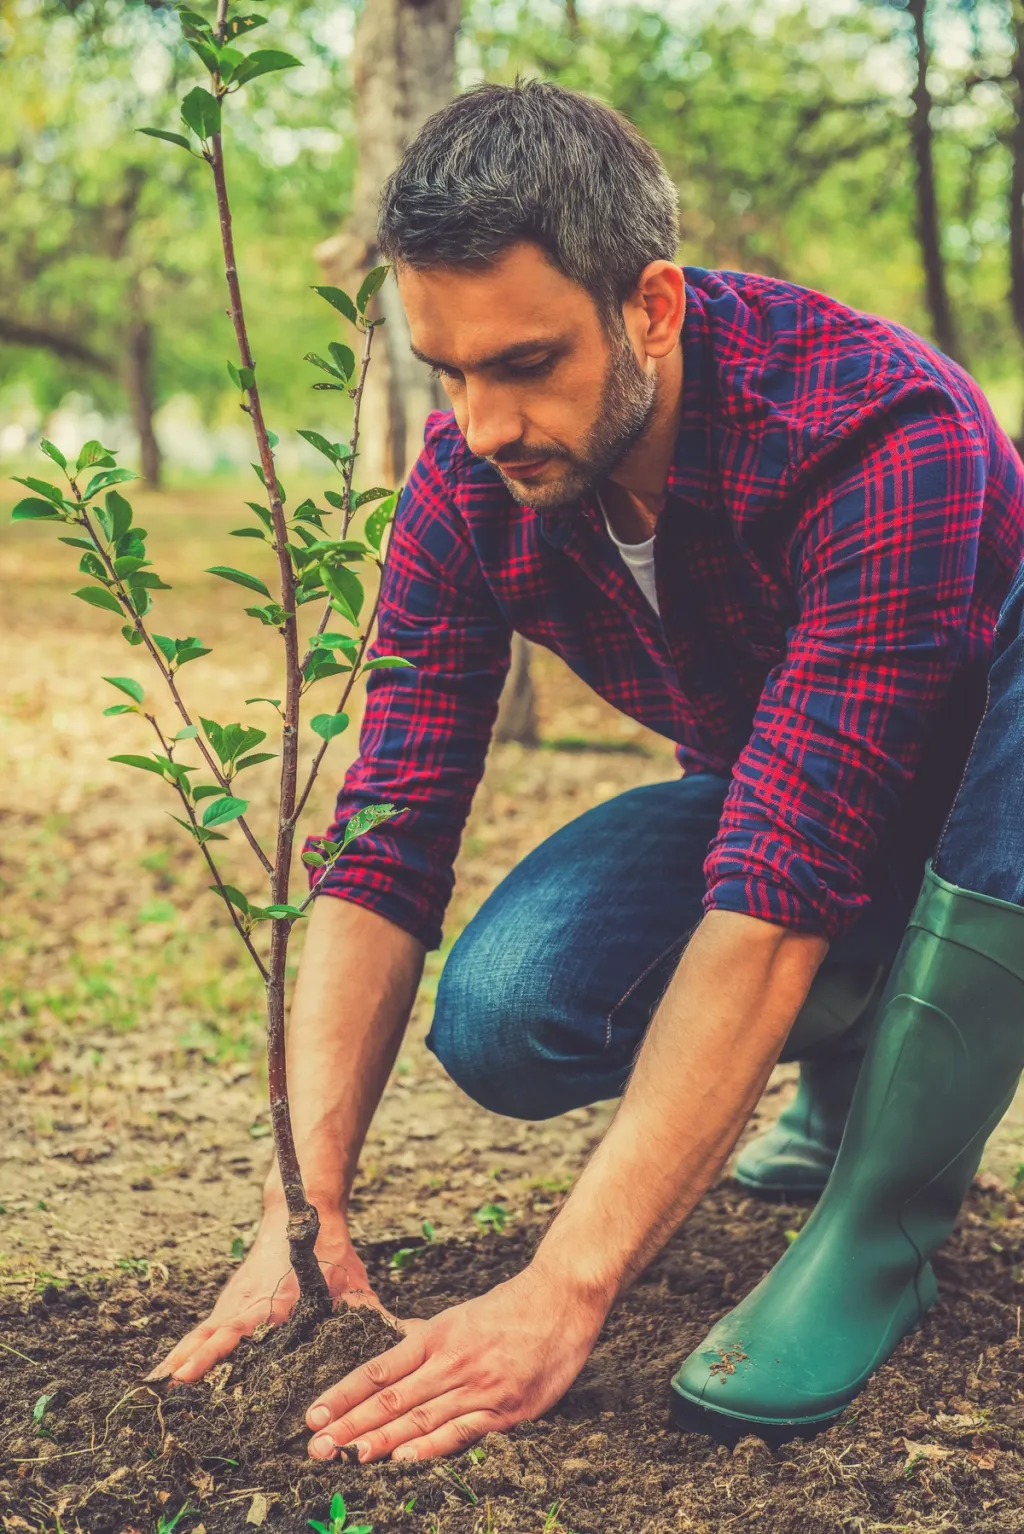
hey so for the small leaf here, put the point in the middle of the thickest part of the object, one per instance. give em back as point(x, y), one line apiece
point(255, 759)
point(221, 811)
point(331, 450)
point(369, 819)
point(371, 284)
point(388, 663)
point(368, 495)
point(274, 702)
point(188, 733)
point(239, 25)
point(377, 521)
point(98, 596)
point(119, 708)
point(264, 61)
point(345, 587)
point(166, 646)
point(54, 453)
point(41, 487)
point(128, 685)
point(240, 578)
point(249, 532)
point(339, 300)
point(144, 763)
point(206, 791)
point(170, 138)
point(39, 1409)
point(120, 513)
point(235, 896)
point(201, 112)
point(314, 860)
point(327, 726)
point(281, 911)
point(33, 510)
point(104, 478)
point(344, 358)
point(94, 452)
point(131, 634)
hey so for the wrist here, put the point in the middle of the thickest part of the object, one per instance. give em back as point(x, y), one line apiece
point(584, 1279)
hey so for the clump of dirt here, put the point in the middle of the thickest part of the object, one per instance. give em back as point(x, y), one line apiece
point(935, 1443)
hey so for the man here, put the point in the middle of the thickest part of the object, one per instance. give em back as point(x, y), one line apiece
point(779, 533)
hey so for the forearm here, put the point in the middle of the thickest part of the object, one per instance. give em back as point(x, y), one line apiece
point(702, 1067)
point(355, 988)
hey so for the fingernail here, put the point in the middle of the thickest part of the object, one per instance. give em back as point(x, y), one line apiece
point(319, 1416)
point(324, 1446)
point(361, 1447)
point(404, 1451)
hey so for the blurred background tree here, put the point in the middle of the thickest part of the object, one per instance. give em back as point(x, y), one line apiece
point(871, 148)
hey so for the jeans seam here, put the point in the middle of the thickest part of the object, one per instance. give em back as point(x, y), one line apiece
point(967, 768)
point(676, 943)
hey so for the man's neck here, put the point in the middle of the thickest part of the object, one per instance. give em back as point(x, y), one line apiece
point(634, 492)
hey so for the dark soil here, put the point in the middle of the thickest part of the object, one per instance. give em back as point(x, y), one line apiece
point(935, 1443)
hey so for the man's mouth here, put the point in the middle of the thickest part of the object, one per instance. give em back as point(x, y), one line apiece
point(523, 470)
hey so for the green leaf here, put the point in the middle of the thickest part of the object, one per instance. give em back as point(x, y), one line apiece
point(53, 453)
point(120, 513)
point(77, 543)
point(94, 452)
point(144, 763)
point(369, 819)
point(319, 362)
point(148, 580)
point(221, 811)
point(282, 911)
point(345, 587)
point(339, 300)
point(200, 833)
point(131, 634)
point(128, 685)
point(128, 564)
point(344, 358)
point(339, 387)
point(242, 378)
point(201, 112)
point(332, 450)
point(263, 514)
point(371, 284)
point(388, 663)
point(98, 596)
point(377, 521)
point(188, 733)
point(368, 495)
point(34, 510)
point(107, 477)
point(249, 532)
point(189, 649)
point(119, 708)
point(264, 61)
point(273, 615)
point(171, 138)
point(206, 791)
point(314, 860)
point(327, 726)
point(239, 25)
point(166, 646)
point(274, 702)
point(214, 733)
point(39, 1409)
point(240, 578)
point(255, 759)
point(230, 893)
point(41, 487)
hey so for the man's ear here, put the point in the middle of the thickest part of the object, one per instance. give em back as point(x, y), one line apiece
point(659, 304)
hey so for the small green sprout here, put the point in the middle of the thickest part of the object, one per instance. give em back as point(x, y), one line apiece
point(165, 1525)
point(339, 1523)
point(492, 1217)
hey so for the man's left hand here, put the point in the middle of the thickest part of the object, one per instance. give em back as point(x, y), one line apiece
point(474, 1369)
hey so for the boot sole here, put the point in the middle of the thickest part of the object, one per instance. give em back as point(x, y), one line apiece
point(727, 1428)
point(779, 1190)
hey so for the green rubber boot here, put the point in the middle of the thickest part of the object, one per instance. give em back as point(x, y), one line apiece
point(939, 1074)
point(795, 1157)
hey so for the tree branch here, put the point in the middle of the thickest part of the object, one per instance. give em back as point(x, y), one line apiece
point(58, 342)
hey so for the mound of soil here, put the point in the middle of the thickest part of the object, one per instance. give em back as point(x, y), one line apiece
point(935, 1443)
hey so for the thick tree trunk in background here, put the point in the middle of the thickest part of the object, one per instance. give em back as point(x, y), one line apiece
point(403, 67)
point(139, 387)
point(1016, 209)
point(928, 228)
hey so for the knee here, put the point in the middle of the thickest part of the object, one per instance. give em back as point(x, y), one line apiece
point(484, 1035)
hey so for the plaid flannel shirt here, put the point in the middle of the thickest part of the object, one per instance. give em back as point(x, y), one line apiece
point(844, 518)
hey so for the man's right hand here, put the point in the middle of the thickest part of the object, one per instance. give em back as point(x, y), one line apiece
point(263, 1289)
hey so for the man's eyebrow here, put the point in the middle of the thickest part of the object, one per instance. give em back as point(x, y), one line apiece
point(497, 359)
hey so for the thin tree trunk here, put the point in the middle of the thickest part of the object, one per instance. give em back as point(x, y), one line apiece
point(139, 385)
point(517, 712)
point(928, 227)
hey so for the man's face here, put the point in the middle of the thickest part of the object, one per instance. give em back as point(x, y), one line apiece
point(539, 386)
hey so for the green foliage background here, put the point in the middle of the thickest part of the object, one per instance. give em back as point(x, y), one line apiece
point(785, 126)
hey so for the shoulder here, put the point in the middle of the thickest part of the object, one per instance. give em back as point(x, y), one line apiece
point(801, 373)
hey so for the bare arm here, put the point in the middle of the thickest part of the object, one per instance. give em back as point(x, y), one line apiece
point(355, 988)
point(512, 1353)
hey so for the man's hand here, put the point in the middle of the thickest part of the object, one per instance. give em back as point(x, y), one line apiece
point(475, 1369)
point(263, 1289)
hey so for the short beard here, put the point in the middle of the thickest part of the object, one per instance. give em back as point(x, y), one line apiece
point(627, 405)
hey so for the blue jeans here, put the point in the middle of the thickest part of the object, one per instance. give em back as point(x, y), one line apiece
point(547, 994)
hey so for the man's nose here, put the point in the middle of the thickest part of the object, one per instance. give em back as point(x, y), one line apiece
point(493, 420)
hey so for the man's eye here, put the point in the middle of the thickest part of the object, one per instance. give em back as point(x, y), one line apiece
point(533, 369)
point(437, 371)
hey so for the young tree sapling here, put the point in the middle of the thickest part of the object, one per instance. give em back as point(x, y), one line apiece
point(314, 565)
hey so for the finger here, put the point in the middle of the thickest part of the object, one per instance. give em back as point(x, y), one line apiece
point(432, 1413)
point(385, 1369)
point(453, 1437)
point(181, 1351)
point(223, 1340)
point(389, 1405)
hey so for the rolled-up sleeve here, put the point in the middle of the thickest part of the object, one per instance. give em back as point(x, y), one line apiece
point(883, 562)
point(425, 732)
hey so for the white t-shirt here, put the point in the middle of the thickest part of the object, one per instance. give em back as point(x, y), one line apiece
point(638, 559)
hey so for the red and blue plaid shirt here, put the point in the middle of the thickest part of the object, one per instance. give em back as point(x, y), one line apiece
point(844, 518)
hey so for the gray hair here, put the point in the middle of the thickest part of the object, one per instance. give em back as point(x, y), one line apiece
point(532, 161)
